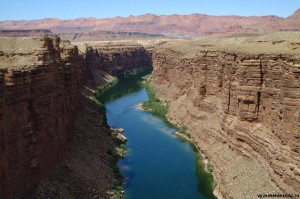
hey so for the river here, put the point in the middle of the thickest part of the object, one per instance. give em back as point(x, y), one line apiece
point(157, 164)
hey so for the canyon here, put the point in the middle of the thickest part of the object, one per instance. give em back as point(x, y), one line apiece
point(49, 120)
point(194, 25)
point(241, 105)
point(239, 97)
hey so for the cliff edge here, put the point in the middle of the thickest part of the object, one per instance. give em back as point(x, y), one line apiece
point(39, 99)
point(240, 99)
point(51, 127)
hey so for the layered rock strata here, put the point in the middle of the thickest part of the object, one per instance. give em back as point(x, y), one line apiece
point(88, 170)
point(241, 108)
point(43, 81)
point(243, 111)
point(39, 100)
point(102, 60)
point(193, 25)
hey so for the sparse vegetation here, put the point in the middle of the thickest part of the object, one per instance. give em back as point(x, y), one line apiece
point(102, 109)
point(159, 109)
point(119, 152)
point(209, 168)
point(184, 131)
point(104, 88)
point(154, 105)
point(97, 98)
point(208, 184)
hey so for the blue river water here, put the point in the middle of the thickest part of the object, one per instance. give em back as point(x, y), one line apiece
point(157, 165)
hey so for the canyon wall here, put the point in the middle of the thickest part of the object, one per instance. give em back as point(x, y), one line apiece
point(88, 170)
point(102, 60)
point(39, 99)
point(243, 111)
point(43, 81)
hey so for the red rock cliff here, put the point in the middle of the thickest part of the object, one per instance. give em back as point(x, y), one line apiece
point(113, 59)
point(41, 81)
point(243, 111)
point(39, 100)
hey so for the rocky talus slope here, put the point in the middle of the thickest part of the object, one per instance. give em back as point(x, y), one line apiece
point(50, 128)
point(242, 108)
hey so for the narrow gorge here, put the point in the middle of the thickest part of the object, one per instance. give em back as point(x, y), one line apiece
point(49, 120)
point(238, 97)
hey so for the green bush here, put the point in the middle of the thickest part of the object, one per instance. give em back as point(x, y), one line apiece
point(209, 167)
point(184, 130)
point(154, 105)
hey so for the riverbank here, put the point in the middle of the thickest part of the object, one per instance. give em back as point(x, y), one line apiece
point(106, 93)
point(139, 106)
point(154, 105)
point(159, 109)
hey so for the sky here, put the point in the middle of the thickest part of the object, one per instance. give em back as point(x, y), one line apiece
point(71, 9)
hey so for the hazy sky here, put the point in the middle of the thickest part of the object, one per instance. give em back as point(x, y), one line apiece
point(70, 9)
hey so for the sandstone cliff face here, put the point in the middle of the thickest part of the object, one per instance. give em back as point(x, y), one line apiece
point(87, 171)
point(39, 100)
point(113, 59)
point(42, 83)
point(243, 111)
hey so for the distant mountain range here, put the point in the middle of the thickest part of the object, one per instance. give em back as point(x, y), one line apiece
point(193, 25)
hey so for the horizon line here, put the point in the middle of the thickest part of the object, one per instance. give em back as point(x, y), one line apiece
point(158, 15)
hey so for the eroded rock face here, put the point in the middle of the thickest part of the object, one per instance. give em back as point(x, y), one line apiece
point(42, 83)
point(113, 59)
point(39, 100)
point(243, 111)
point(86, 171)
